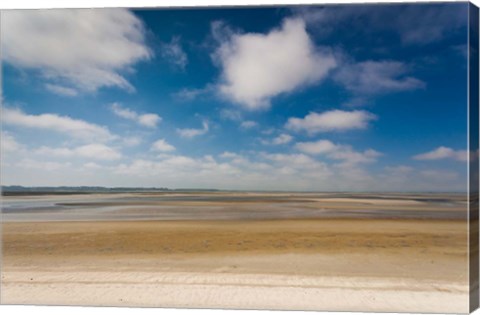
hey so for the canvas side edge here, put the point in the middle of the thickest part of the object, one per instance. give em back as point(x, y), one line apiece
point(473, 144)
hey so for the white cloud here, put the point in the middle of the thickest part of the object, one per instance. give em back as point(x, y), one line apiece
point(191, 133)
point(132, 141)
point(249, 170)
point(334, 151)
point(86, 48)
point(334, 120)
point(123, 112)
point(298, 164)
point(229, 155)
point(43, 165)
point(376, 77)
point(443, 153)
point(248, 124)
point(282, 139)
point(61, 90)
point(439, 176)
point(162, 145)
point(399, 170)
point(8, 143)
point(92, 166)
point(257, 67)
point(53, 122)
point(98, 151)
point(318, 147)
point(174, 53)
point(148, 120)
point(275, 171)
point(94, 151)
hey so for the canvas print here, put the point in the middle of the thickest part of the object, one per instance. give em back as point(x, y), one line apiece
point(309, 157)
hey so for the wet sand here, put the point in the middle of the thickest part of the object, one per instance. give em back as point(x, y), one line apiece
point(355, 261)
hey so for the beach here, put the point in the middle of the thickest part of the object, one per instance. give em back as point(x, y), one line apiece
point(298, 251)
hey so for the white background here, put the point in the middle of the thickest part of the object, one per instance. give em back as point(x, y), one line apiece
point(63, 310)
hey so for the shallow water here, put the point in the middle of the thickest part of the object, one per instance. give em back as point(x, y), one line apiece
point(223, 207)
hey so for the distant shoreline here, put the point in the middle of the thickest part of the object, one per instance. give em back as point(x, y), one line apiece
point(16, 190)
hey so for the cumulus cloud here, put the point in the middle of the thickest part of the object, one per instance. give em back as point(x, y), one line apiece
point(270, 171)
point(92, 166)
point(334, 120)
point(298, 164)
point(131, 141)
point(174, 53)
point(192, 133)
point(43, 165)
point(252, 170)
point(399, 170)
point(246, 170)
point(63, 124)
point(147, 120)
point(443, 153)
point(84, 48)
point(229, 155)
point(368, 78)
point(283, 138)
point(8, 142)
point(95, 151)
point(436, 176)
point(191, 171)
point(257, 67)
point(318, 147)
point(162, 145)
point(334, 151)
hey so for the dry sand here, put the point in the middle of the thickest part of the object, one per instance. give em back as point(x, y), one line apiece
point(348, 264)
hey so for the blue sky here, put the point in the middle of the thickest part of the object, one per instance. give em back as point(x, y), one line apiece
point(351, 97)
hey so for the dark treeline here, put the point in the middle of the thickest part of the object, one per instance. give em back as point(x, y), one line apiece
point(22, 190)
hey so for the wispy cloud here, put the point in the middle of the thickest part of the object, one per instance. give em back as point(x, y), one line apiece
point(61, 90)
point(148, 120)
point(248, 124)
point(192, 132)
point(189, 94)
point(368, 78)
point(231, 114)
point(416, 24)
point(174, 53)
point(63, 124)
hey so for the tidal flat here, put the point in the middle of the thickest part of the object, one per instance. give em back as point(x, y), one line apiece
point(301, 251)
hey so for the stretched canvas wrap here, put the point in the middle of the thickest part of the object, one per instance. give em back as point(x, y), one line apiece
point(283, 157)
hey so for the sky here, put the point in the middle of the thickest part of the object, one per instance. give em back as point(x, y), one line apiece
point(301, 98)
